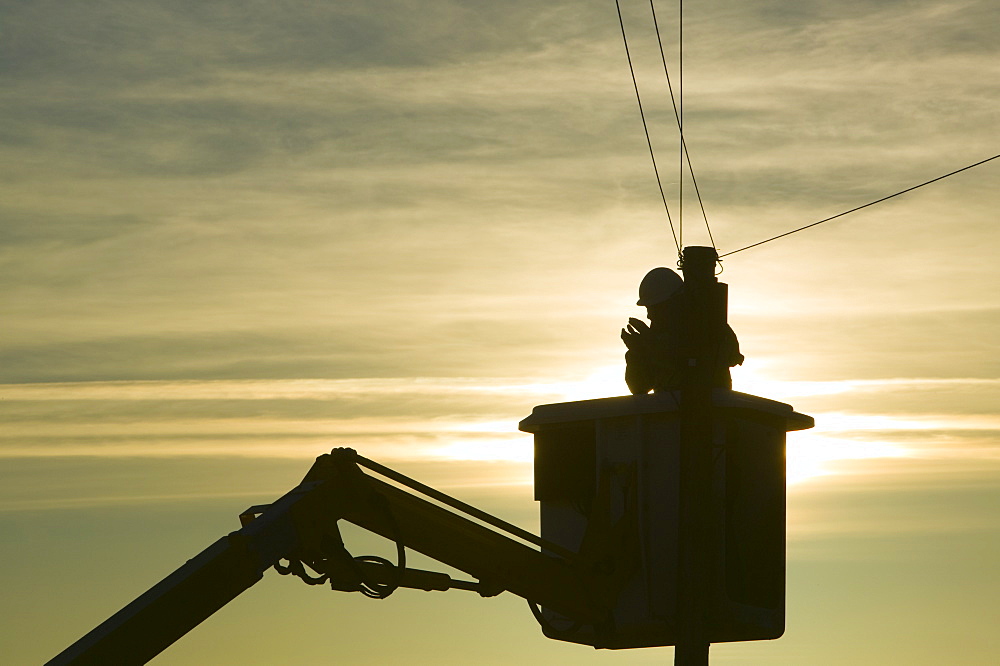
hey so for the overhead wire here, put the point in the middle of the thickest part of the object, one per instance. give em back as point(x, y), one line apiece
point(680, 119)
point(645, 128)
point(857, 208)
point(685, 154)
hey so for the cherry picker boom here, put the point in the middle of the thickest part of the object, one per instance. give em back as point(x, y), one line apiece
point(662, 515)
point(302, 527)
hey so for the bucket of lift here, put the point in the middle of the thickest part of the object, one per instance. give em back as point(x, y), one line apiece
point(607, 476)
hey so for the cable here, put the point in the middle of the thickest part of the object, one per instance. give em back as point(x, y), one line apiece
point(479, 514)
point(547, 626)
point(871, 203)
point(673, 102)
point(645, 129)
point(680, 120)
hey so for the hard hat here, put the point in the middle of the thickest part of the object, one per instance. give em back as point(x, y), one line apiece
point(658, 286)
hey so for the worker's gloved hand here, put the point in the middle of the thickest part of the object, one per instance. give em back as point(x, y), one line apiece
point(637, 335)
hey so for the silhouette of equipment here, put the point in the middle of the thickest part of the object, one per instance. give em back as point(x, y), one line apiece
point(301, 527)
point(662, 521)
point(685, 316)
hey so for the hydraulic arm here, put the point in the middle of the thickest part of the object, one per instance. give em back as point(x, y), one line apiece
point(302, 528)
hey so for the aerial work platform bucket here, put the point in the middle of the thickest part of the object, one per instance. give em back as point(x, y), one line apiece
point(607, 475)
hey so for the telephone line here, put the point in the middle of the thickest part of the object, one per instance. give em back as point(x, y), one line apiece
point(645, 129)
point(857, 208)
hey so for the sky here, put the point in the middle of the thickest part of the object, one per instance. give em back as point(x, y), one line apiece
point(235, 235)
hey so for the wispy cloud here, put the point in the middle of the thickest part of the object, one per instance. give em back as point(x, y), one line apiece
point(426, 418)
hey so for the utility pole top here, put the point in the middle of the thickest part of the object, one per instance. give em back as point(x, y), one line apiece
point(698, 264)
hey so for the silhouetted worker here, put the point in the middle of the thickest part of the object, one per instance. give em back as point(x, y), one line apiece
point(655, 359)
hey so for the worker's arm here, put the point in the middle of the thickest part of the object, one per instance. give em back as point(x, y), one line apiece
point(639, 372)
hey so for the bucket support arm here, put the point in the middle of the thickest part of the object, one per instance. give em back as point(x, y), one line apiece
point(302, 526)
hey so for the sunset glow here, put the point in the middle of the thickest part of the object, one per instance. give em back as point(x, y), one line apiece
point(235, 236)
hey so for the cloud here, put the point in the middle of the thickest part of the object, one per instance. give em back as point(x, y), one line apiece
point(28, 230)
point(271, 229)
point(397, 418)
point(880, 344)
point(85, 483)
point(333, 192)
